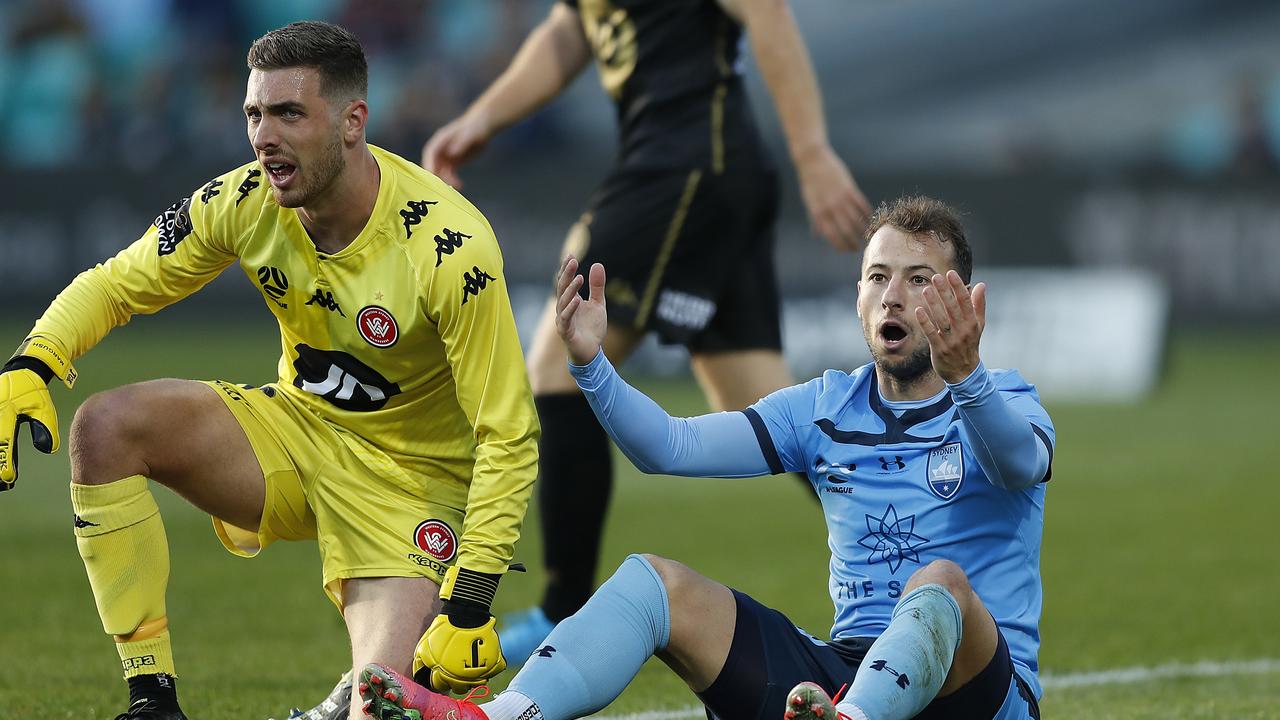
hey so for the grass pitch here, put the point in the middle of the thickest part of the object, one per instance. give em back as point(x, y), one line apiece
point(1160, 547)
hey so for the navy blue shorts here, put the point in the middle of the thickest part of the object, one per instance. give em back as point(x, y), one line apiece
point(770, 655)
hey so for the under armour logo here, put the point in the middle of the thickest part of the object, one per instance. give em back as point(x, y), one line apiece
point(451, 241)
point(545, 651)
point(210, 190)
point(902, 679)
point(324, 299)
point(417, 209)
point(248, 185)
point(896, 462)
point(474, 285)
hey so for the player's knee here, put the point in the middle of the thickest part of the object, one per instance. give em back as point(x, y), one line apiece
point(945, 573)
point(677, 578)
point(101, 428)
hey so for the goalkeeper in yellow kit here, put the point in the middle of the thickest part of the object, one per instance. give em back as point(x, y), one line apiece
point(401, 431)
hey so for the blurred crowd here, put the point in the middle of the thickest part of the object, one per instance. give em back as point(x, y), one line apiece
point(139, 84)
point(143, 83)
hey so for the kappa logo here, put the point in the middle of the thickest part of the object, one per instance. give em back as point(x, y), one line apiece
point(81, 523)
point(437, 539)
point(945, 472)
point(250, 182)
point(377, 326)
point(413, 213)
point(447, 242)
point(274, 283)
point(210, 191)
point(174, 225)
point(324, 299)
point(472, 285)
point(137, 662)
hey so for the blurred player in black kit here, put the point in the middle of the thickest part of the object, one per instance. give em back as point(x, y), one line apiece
point(684, 222)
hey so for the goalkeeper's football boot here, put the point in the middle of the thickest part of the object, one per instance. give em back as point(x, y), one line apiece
point(334, 707)
point(388, 695)
point(149, 710)
point(522, 633)
point(807, 701)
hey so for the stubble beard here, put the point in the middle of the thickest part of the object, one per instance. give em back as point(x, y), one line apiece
point(905, 371)
point(326, 169)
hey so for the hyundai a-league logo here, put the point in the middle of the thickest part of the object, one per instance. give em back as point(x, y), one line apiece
point(946, 470)
point(377, 326)
point(892, 539)
point(436, 538)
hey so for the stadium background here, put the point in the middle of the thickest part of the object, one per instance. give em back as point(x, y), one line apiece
point(1120, 167)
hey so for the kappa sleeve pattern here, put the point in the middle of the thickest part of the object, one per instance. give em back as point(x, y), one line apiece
point(467, 299)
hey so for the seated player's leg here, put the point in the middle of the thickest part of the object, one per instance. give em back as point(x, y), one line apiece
point(179, 434)
point(739, 656)
point(576, 479)
point(941, 656)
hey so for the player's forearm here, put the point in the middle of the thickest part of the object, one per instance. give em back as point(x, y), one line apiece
point(715, 445)
point(1002, 439)
point(82, 314)
point(788, 74)
point(501, 487)
point(550, 58)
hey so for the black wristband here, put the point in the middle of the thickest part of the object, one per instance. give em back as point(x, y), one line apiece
point(25, 362)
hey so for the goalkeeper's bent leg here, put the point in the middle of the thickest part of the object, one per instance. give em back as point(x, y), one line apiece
point(126, 555)
point(590, 657)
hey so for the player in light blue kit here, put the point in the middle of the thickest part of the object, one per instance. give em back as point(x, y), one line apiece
point(931, 472)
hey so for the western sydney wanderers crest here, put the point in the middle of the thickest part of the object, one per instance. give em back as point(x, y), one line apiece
point(436, 538)
point(377, 327)
point(946, 470)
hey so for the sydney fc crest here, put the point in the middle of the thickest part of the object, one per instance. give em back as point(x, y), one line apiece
point(946, 470)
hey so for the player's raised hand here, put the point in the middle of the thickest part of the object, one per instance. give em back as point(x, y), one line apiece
point(838, 211)
point(952, 318)
point(581, 323)
point(452, 145)
point(24, 398)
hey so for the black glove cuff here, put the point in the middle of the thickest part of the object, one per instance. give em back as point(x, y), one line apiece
point(472, 595)
point(24, 362)
point(465, 615)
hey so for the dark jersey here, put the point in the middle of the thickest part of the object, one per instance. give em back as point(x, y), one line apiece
point(673, 71)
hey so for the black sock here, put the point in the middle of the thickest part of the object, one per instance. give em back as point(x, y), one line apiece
point(160, 689)
point(573, 496)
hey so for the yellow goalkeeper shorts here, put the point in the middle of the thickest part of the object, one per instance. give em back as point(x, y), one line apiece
point(368, 511)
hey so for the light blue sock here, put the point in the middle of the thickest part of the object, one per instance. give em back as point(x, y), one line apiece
point(590, 657)
point(905, 667)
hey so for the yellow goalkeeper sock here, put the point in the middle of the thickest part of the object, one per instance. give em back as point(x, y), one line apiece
point(122, 541)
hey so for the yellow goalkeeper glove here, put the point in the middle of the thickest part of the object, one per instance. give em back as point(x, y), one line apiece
point(460, 649)
point(24, 398)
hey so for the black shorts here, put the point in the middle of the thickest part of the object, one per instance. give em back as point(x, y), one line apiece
point(770, 655)
point(689, 255)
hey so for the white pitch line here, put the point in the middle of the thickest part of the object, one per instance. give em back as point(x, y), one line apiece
point(1052, 681)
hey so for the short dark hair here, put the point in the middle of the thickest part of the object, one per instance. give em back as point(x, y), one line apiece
point(330, 49)
point(921, 215)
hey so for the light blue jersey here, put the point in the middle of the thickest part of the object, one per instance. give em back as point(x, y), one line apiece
point(901, 486)
point(959, 476)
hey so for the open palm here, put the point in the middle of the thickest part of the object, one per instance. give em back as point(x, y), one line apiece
point(581, 323)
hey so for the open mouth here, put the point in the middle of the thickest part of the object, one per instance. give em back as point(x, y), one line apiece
point(280, 173)
point(893, 333)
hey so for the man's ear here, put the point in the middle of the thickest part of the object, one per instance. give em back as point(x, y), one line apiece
point(856, 309)
point(354, 120)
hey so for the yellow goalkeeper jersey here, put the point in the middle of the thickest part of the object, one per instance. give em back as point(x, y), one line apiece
point(405, 337)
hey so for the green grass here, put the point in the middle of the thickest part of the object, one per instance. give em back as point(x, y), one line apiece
point(1160, 547)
